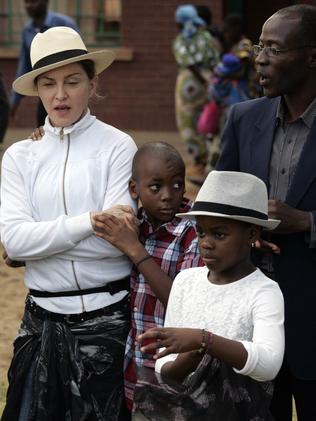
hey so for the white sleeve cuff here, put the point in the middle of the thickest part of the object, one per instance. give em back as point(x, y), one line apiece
point(162, 361)
point(79, 227)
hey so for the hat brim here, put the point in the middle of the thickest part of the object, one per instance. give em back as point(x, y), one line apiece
point(269, 224)
point(24, 85)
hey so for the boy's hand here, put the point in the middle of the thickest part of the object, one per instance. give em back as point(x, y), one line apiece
point(37, 134)
point(119, 227)
point(174, 340)
point(11, 263)
point(120, 233)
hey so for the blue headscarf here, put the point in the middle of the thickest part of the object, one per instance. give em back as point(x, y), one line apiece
point(188, 17)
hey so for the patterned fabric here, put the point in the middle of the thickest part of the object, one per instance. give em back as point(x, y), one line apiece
point(213, 392)
point(243, 50)
point(76, 368)
point(190, 94)
point(174, 246)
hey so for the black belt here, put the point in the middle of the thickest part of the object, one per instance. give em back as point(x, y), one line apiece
point(42, 314)
point(112, 287)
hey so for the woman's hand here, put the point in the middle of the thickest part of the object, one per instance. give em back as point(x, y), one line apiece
point(37, 134)
point(174, 340)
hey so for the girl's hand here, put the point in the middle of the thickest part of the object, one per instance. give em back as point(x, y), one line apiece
point(37, 134)
point(174, 340)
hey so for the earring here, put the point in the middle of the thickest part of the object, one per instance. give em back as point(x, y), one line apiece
point(253, 245)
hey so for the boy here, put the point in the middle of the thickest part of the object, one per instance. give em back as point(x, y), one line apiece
point(164, 246)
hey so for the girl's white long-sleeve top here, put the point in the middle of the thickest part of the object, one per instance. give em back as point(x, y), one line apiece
point(250, 310)
point(48, 189)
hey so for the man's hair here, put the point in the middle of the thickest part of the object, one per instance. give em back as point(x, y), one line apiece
point(307, 13)
point(162, 150)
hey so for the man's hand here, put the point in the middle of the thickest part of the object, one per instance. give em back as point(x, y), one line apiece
point(11, 263)
point(292, 220)
point(266, 246)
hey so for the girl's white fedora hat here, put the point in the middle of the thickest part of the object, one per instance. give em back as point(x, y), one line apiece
point(233, 195)
point(55, 48)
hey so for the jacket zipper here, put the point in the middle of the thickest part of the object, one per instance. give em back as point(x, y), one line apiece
point(61, 135)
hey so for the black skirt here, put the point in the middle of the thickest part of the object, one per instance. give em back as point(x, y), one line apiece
point(77, 366)
point(213, 392)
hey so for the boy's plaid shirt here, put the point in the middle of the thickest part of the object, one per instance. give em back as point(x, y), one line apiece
point(174, 247)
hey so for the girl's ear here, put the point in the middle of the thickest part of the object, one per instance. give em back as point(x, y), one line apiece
point(132, 186)
point(254, 234)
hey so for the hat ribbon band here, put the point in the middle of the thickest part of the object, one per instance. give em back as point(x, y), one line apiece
point(57, 57)
point(227, 210)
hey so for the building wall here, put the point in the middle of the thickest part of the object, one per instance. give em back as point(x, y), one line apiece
point(137, 94)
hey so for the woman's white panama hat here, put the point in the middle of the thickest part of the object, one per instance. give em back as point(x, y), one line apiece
point(55, 48)
point(233, 195)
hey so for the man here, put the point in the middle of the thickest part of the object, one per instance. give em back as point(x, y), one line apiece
point(274, 138)
point(41, 20)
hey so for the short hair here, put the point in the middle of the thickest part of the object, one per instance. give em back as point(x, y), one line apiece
point(205, 13)
point(162, 150)
point(307, 13)
point(235, 20)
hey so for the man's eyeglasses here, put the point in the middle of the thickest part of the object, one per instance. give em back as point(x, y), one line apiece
point(274, 52)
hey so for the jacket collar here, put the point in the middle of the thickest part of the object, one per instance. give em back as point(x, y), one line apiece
point(86, 121)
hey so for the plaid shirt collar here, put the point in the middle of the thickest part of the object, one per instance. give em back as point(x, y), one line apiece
point(174, 227)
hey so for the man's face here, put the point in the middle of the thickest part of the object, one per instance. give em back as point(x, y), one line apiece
point(286, 73)
point(35, 8)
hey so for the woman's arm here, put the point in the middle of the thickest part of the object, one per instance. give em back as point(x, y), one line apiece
point(22, 236)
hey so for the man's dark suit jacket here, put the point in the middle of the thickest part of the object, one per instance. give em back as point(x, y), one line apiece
point(246, 146)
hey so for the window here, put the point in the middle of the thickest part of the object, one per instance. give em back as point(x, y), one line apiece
point(98, 20)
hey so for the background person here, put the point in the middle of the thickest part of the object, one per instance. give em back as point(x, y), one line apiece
point(41, 20)
point(235, 42)
point(196, 53)
point(274, 138)
point(71, 344)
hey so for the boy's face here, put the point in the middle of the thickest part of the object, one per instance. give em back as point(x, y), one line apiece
point(160, 188)
point(225, 246)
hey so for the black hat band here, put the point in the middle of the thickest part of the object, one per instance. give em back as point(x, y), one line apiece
point(227, 210)
point(57, 57)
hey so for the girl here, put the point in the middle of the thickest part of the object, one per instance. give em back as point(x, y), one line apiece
point(228, 329)
point(68, 357)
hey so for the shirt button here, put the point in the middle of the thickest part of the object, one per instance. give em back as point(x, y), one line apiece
point(283, 171)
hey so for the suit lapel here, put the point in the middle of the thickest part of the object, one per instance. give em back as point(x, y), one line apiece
point(261, 143)
point(305, 171)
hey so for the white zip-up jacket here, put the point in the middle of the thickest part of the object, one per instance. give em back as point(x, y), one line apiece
point(48, 189)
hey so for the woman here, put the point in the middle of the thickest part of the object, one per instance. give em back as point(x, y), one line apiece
point(68, 356)
point(195, 52)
